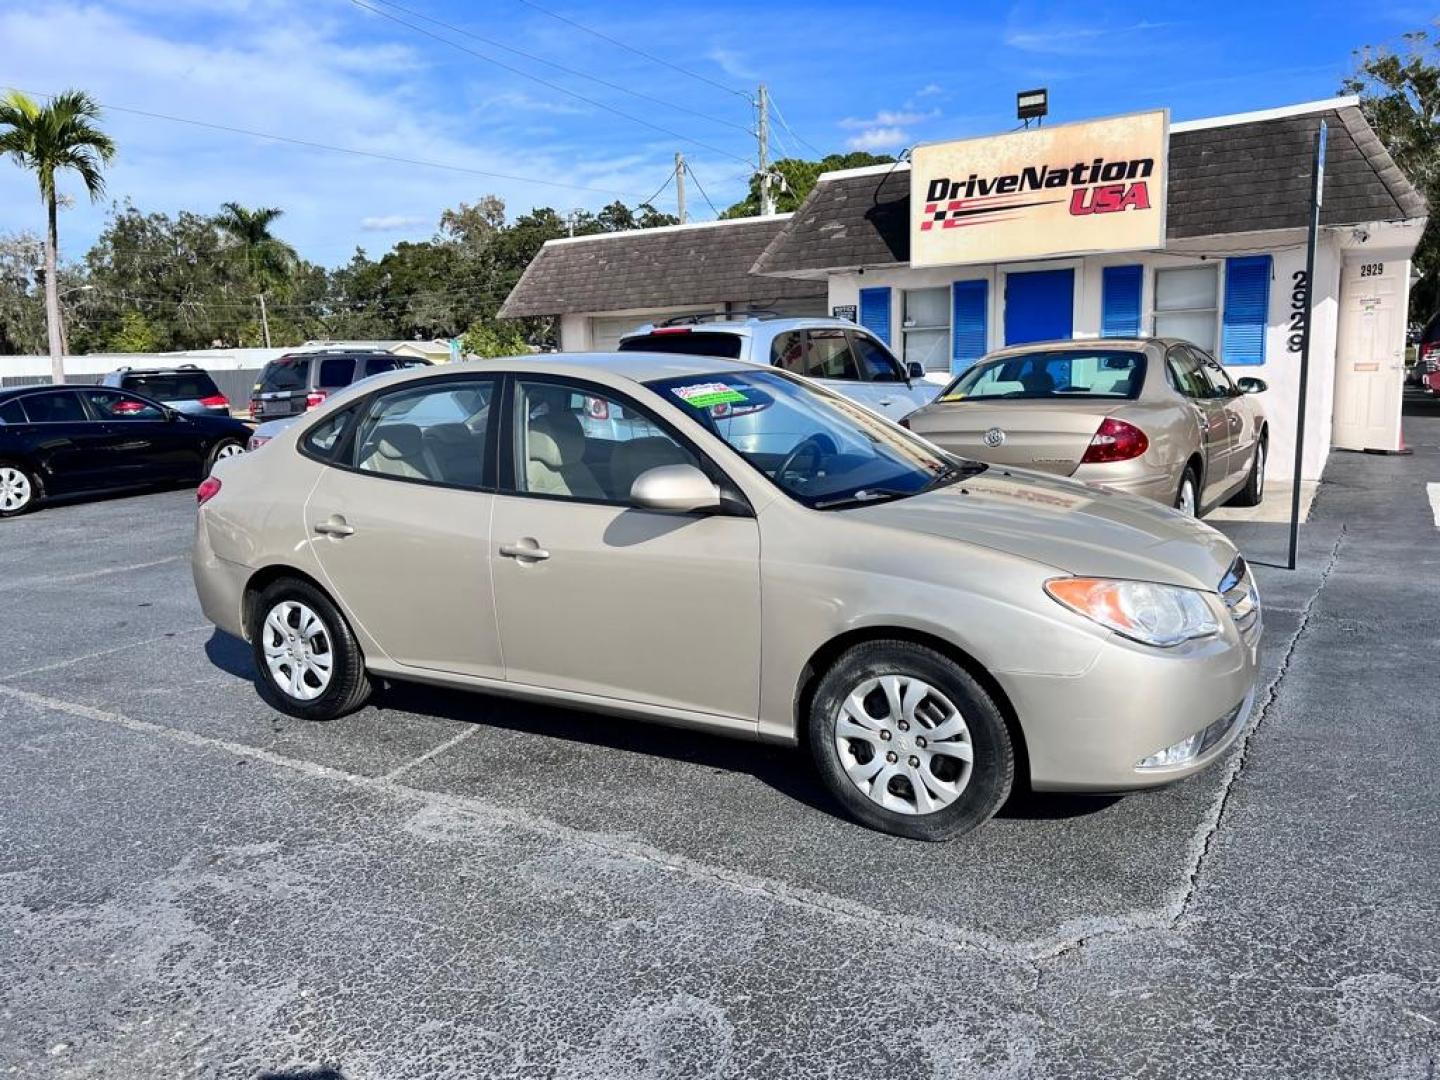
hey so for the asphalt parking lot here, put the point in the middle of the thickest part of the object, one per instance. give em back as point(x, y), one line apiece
point(449, 885)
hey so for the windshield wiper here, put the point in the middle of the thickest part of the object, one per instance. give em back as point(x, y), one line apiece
point(952, 473)
point(862, 497)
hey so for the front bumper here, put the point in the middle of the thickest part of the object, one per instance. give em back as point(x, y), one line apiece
point(1090, 732)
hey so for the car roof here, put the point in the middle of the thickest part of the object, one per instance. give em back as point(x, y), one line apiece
point(743, 327)
point(188, 369)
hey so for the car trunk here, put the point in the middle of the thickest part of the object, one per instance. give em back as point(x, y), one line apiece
point(1049, 436)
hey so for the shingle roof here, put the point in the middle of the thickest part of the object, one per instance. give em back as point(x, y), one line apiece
point(1229, 178)
point(653, 268)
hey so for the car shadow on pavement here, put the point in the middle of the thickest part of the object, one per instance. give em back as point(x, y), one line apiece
point(324, 1072)
point(788, 771)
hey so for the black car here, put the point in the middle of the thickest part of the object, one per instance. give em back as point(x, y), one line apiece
point(66, 441)
point(294, 384)
point(1427, 354)
point(186, 388)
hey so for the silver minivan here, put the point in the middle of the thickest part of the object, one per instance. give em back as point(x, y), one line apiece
point(834, 352)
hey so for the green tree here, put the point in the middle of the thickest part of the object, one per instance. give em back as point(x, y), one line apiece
point(267, 260)
point(502, 338)
point(800, 177)
point(1400, 96)
point(22, 305)
point(47, 140)
point(136, 334)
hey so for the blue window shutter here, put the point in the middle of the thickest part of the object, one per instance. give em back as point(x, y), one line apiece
point(969, 326)
point(875, 312)
point(1247, 310)
point(1120, 301)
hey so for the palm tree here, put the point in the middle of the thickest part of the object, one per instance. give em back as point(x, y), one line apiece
point(268, 260)
point(47, 139)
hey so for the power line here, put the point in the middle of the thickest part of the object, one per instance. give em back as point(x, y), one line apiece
point(660, 189)
point(561, 67)
point(544, 82)
point(700, 189)
point(310, 144)
point(785, 124)
point(638, 52)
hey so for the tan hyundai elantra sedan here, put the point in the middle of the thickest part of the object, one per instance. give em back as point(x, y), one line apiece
point(728, 547)
point(1156, 417)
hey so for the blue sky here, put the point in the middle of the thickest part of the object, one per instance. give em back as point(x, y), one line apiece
point(844, 74)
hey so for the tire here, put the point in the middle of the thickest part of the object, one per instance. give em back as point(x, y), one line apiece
point(316, 695)
point(1254, 489)
point(19, 489)
point(958, 796)
point(1191, 478)
point(223, 449)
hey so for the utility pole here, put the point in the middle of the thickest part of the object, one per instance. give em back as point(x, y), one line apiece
point(264, 321)
point(762, 133)
point(680, 184)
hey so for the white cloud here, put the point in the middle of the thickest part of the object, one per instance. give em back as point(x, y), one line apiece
point(890, 118)
point(515, 99)
point(392, 222)
point(732, 64)
point(929, 90)
point(879, 138)
point(1059, 38)
point(307, 72)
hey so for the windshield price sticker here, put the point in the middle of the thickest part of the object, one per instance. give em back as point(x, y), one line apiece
point(704, 395)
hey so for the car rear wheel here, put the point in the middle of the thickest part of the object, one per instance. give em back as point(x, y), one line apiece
point(225, 448)
point(1187, 498)
point(1254, 489)
point(909, 742)
point(19, 490)
point(309, 663)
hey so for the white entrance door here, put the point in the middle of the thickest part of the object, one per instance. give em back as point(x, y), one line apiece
point(1370, 354)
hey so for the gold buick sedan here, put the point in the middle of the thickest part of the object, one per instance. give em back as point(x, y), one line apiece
point(728, 547)
point(1156, 417)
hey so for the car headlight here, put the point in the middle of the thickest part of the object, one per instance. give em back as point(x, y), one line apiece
point(1160, 615)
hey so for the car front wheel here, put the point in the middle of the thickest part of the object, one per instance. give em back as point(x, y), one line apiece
point(909, 742)
point(309, 663)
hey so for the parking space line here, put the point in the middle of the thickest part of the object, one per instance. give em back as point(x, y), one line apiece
point(87, 575)
point(812, 901)
point(104, 652)
point(433, 752)
point(1433, 490)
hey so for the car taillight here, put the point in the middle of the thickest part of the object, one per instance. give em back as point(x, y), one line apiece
point(315, 398)
point(1115, 441)
point(257, 441)
point(671, 330)
point(215, 401)
point(208, 489)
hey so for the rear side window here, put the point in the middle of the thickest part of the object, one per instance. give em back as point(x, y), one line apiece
point(434, 432)
point(788, 351)
point(325, 436)
point(11, 413)
point(686, 343)
point(172, 386)
point(336, 371)
point(287, 373)
point(61, 408)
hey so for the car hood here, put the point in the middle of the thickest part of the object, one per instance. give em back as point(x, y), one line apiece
point(1082, 529)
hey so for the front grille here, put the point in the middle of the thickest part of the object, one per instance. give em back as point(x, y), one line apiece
point(1242, 598)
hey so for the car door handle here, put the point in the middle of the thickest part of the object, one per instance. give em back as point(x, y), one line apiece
point(334, 527)
point(529, 552)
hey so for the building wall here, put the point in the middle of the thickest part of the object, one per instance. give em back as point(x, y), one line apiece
point(1280, 369)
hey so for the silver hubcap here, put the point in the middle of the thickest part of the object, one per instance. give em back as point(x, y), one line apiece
point(904, 744)
point(297, 650)
point(15, 489)
point(1187, 498)
point(229, 450)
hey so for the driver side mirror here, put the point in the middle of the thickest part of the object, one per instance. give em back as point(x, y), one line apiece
point(915, 370)
point(1252, 385)
point(674, 489)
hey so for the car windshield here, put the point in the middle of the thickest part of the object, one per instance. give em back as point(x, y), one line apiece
point(1059, 373)
point(819, 448)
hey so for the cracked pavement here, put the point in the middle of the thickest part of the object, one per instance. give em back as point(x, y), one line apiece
point(449, 885)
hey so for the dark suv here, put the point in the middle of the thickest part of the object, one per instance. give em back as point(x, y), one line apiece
point(299, 382)
point(185, 389)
